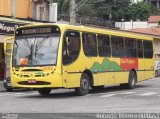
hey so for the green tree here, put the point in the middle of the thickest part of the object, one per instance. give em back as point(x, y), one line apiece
point(87, 10)
point(110, 9)
point(63, 6)
point(140, 11)
point(120, 9)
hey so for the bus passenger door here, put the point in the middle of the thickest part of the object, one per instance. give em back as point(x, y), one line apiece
point(70, 59)
point(149, 61)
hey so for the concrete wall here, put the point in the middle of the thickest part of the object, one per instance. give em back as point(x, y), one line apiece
point(53, 12)
point(131, 25)
point(13, 8)
point(152, 25)
point(135, 24)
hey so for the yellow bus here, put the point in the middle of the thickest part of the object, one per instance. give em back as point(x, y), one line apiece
point(48, 56)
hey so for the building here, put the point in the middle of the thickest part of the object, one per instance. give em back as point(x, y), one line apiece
point(153, 21)
point(41, 10)
point(16, 8)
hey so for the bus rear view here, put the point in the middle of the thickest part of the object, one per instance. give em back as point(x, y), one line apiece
point(34, 58)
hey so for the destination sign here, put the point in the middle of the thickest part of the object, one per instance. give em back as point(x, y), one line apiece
point(37, 30)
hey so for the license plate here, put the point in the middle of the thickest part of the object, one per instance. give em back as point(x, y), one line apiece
point(32, 81)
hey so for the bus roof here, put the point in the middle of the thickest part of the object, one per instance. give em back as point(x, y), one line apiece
point(99, 30)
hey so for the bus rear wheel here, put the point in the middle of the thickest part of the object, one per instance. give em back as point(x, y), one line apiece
point(84, 85)
point(131, 81)
point(44, 91)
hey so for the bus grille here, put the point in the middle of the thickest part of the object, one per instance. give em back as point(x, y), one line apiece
point(37, 83)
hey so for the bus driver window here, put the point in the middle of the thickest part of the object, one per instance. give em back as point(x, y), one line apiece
point(71, 47)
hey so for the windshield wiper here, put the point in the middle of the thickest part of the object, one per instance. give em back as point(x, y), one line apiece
point(41, 44)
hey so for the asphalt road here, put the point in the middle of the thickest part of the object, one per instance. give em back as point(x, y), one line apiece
point(145, 98)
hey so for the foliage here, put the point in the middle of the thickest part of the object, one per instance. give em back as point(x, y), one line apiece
point(140, 11)
point(111, 9)
point(63, 5)
point(87, 10)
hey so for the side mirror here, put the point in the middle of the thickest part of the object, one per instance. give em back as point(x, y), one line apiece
point(8, 42)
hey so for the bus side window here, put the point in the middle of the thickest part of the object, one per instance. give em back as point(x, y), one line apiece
point(117, 46)
point(71, 47)
point(104, 49)
point(148, 49)
point(139, 48)
point(130, 48)
point(89, 44)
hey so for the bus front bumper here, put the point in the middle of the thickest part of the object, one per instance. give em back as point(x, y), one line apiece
point(52, 81)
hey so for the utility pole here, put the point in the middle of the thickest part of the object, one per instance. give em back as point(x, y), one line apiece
point(74, 8)
point(72, 12)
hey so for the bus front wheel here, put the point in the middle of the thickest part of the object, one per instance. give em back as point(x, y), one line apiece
point(44, 91)
point(84, 85)
point(9, 89)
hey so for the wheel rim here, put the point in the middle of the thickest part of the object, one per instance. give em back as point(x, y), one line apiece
point(132, 80)
point(84, 83)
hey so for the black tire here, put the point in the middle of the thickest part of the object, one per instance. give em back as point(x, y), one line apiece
point(131, 81)
point(156, 74)
point(44, 91)
point(97, 87)
point(84, 85)
point(9, 89)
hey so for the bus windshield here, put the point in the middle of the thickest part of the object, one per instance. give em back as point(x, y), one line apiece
point(35, 50)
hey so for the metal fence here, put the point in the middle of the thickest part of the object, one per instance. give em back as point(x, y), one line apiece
point(85, 20)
